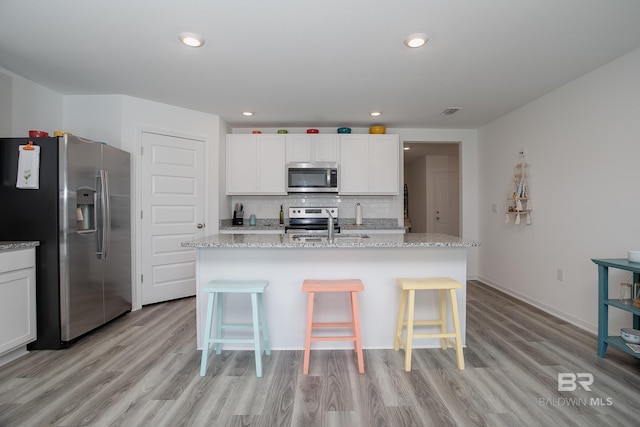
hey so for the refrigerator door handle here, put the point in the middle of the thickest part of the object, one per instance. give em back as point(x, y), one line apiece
point(106, 213)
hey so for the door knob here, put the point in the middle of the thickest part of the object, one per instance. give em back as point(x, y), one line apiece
point(200, 225)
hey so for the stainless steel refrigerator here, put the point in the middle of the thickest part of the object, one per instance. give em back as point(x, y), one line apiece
point(80, 213)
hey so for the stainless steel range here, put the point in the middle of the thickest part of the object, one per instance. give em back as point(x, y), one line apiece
point(312, 220)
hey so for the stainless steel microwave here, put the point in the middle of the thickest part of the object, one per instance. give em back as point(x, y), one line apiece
point(318, 177)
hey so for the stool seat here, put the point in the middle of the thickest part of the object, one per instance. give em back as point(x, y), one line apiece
point(352, 286)
point(342, 285)
point(445, 285)
point(236, 286)
point(216, 289)
point(428, 283)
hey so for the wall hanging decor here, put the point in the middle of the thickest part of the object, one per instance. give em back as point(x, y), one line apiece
point(518, 200)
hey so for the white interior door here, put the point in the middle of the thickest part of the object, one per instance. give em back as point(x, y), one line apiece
point(173, 211)
point(447, 209)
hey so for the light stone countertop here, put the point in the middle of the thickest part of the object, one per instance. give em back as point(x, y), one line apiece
point(409, 240)
point(346, 224)
point(9, 246)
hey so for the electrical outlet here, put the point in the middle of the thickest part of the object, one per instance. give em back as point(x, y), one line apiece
point(560, 275)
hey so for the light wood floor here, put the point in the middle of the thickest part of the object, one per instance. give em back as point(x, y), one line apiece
point(142, 370)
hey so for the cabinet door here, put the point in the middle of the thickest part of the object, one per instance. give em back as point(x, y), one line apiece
point(298, 148)
point(325, 148)
point(312, 148)
point(384, 166)
point(354, 164)
point(17, 299)
point(256, 164)
point(271, 164)
point(242, 164)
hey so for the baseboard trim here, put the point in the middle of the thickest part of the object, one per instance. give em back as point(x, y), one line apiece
point(591, 328)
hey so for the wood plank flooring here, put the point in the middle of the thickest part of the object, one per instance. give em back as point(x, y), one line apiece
point(142, 370)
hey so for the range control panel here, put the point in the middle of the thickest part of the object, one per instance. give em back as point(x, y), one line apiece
point(319, 212)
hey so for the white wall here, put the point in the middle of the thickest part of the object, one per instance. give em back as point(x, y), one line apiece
point(95, 117)
point(6, 97)
point(582, 143)
point(33, 107)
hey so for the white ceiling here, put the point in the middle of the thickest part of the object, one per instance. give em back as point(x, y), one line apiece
point(318, 62)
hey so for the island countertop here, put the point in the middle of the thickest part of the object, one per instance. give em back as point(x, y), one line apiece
point(408, 240)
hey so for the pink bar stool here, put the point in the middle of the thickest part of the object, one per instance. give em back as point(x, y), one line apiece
point(353, 286)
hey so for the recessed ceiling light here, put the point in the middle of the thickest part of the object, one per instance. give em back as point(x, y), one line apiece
point(247, 113)
point(191, 39)
point(416, 40)
point(375, 113)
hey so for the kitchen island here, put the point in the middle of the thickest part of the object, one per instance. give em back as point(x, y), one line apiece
point(286, 261)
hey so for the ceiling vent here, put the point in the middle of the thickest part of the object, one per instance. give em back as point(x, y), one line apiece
point(450, 111)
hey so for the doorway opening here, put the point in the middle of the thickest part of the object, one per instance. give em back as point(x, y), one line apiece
point(432, 187)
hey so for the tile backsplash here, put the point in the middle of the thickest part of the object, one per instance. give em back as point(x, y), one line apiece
point(265, 207)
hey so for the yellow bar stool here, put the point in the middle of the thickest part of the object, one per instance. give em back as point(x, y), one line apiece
point(352, 286)
point(407, 303)
point(216, 290)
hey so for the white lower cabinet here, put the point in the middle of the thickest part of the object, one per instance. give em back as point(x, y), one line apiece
point(17, 302)
point(369, 164)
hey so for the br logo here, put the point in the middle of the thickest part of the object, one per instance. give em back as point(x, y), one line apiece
point(568, 381)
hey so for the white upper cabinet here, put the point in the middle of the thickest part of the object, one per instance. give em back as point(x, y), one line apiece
point(256, 164)
point(369, 164)
point(312, 148)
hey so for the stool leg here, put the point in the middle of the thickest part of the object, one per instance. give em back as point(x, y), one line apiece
point(398, 338)
point(307, 339)
point(410, 316)
point(443, 318)
point(355, 319)
point(256, 333)
point(456, 329)
point(207, 335)
point(219, 325)
point(265, 330)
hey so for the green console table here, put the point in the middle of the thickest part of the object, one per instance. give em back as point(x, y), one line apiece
point(604, 303)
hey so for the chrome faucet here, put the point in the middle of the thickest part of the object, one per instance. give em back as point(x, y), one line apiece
point(330, 227)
